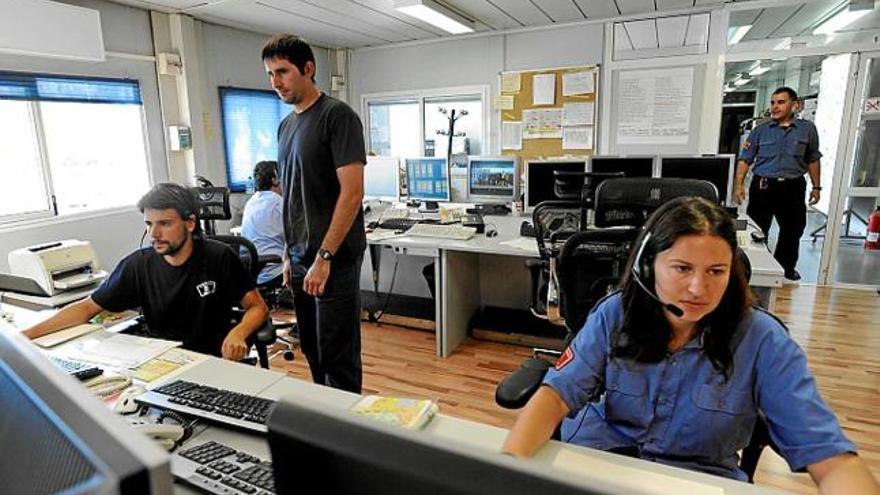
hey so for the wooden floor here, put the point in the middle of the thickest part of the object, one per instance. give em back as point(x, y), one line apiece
point(839, 329)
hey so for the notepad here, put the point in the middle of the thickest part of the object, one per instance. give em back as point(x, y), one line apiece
point(61, 336)
point(407, 413)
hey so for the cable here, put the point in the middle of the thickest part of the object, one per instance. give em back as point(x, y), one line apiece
point(376, 317)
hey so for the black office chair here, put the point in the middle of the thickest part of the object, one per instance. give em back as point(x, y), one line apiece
point(213, 206)
point(588, 267)
point(554, 222)
point(630, 201)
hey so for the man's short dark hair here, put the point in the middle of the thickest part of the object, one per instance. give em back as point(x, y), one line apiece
point(171, 196)
point(265, 173)
point(792, 94)
point(290, 48)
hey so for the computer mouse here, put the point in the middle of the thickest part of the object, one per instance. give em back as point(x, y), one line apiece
point(125, 404)
point(491, 233)
point(373, 225)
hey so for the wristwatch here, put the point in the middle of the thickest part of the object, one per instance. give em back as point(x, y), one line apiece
point(817, 188)
point(325, 254)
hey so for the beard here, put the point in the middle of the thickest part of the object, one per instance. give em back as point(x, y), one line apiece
point(172, 248)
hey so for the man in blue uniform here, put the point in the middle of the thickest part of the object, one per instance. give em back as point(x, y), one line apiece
point(781, 151)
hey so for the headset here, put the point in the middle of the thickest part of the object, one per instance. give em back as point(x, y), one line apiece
point(638, 270)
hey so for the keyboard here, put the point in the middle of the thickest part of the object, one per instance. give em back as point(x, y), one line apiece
point(442, 231)
point(397, 223)
point(212, 404)
point(78, 369)
point(216, 468)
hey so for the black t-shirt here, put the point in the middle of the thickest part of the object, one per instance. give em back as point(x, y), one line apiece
point(191, 303)
point(311, 146)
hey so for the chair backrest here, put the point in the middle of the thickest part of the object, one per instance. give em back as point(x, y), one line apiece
point(630, 201)
point(589, 267)
point(555, 221)
point(213, 205)
point(246, 251)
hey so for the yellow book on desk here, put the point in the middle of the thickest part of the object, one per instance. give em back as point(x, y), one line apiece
point(408, 413)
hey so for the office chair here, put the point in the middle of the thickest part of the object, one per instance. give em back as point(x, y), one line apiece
point(589, 266)
point(630, 201)
point(580, 186)
point(554, 221)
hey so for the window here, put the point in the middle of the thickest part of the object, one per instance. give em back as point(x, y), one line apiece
point(414, 125)
point(69, 145)
point(250, 131)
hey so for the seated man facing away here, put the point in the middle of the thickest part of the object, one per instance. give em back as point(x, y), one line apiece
point(262, 222)
point(185, 285)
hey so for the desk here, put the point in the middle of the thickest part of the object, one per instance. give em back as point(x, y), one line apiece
point(457, 273)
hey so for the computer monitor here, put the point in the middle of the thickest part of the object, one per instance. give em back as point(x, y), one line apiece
point(493, 178)
point(63, 438)
point(344, 453)
point(631, 166)
point(427, 179)
point(382, 178)
point(540, 181)
point(717, 169)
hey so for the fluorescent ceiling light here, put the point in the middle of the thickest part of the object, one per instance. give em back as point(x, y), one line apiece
point(840, 20)
point(436, 15)
point(736, 33)
point(757, 71)
point(741, 82)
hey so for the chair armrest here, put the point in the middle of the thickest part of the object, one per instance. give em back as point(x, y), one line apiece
point(265, 335)
point(266, 259)
point(518, 387)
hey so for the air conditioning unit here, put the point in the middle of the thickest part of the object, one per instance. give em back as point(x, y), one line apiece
point(50, 29)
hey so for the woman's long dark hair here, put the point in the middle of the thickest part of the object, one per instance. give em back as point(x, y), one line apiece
point(645, 332)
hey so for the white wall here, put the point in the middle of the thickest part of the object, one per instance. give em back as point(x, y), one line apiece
point(125, 30)
point(471, 61)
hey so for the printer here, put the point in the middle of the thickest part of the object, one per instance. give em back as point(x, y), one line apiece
point(58, 267)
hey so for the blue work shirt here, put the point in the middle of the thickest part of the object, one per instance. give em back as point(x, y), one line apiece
point(782, 151)
point(262, 224)
point(681, 411)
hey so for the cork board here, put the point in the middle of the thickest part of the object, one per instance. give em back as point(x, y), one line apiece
point(523, 100)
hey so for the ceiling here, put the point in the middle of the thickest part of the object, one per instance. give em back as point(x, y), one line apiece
point(362, 23)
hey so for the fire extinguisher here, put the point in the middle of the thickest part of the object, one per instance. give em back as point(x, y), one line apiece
point(873, 239)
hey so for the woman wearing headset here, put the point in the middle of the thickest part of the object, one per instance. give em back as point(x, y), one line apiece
point(676, 365)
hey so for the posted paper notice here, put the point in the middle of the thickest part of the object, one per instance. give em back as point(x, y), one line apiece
point(577, 137)
point(542, 123)
point(511, 135)
point(544, 89)
point(510, 82)
point(578, 83)
point(577, 113)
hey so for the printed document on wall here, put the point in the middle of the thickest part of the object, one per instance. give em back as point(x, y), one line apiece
point(654, 106)
point(542, 123)
point(577, 137)
point(511, 135)
point(510, 82)
point(577, 113)
point(544, 89)
point(577, 83)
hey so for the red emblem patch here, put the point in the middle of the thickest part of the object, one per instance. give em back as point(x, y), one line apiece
point(747, 145)
point(565, 358)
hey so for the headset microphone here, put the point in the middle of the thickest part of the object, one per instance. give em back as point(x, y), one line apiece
point(636, 271)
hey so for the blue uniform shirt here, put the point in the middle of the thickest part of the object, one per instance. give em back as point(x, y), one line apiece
point(262, 224)
point(681, 412)
point(782, 152)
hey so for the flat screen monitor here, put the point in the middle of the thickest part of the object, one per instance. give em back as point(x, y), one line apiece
point(382, 178)
point(717, 169)
point(540, 181)
point(492, 178)
point(63, 438)
point(427, 179)
point(631, 166)
point(343, 453)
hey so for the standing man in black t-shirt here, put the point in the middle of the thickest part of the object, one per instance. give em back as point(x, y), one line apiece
point(321, 159)
point(185, 285)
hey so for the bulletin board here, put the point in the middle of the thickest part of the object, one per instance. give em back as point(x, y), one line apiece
point(519, 106)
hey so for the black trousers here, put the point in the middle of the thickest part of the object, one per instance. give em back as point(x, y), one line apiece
point(784, 200)
point(330, 328)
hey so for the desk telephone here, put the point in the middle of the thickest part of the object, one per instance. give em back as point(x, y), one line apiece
point(164, 435)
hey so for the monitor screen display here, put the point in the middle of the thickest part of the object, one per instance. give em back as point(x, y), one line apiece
point(492, 178)
point(631, 166)
point(540, 180)
point(382, 178)
point(716, 169)
point(427, 179)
